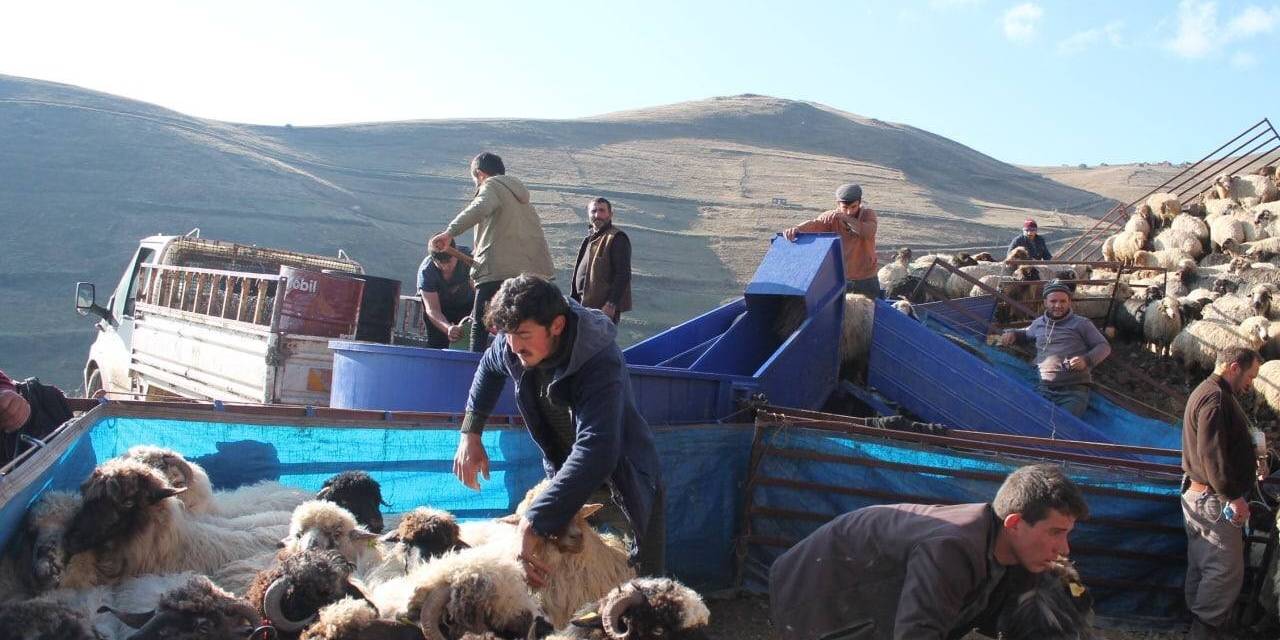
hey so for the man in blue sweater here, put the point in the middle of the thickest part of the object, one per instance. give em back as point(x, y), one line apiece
point(574, 393)
point(1032, 241)
point(1068, 347)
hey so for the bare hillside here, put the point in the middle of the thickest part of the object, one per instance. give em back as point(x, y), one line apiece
point(87, 174)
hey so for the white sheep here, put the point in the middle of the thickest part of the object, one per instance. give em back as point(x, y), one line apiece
point(1197, 345)
point(1161, 324)
point(855, 334)
point(1138, 222)
point(478, 589)
point(1166, 205)
point(1097, 308)
point(1183, 241)
point(1122, 246)
point(892, 275)
point(1226, 229)
point(1267, 385)
point(958, 286)
point(1168, 259)
point(142, 593)
point(1231, 308)
point(1188, 223)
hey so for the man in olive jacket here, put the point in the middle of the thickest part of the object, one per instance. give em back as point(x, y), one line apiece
point(509, 238)
point(917, 572)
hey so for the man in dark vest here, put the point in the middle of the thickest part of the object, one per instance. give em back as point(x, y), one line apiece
point(602, 274)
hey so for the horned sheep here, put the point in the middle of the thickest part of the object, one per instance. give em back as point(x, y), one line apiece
point(198, 610)
point(131, 522)
point(292, 591)
point(642, 609)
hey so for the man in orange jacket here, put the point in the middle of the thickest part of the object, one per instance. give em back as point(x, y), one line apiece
point(856, 226)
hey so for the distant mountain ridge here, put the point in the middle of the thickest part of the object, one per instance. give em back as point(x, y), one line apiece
point(699, 186)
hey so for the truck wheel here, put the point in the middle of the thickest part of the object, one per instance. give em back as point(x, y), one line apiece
point(94, 388)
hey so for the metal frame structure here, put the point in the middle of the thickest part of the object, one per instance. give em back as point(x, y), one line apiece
point(1188, 183)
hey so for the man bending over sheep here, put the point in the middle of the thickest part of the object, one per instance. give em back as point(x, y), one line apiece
point(856, 226)
point(573, 390)
point(920, 572)
point(1068, 347)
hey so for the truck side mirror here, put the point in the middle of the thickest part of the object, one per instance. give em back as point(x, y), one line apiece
point(86, 302)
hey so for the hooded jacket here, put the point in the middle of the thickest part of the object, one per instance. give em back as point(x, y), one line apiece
point(509, 238)
point(613, 442)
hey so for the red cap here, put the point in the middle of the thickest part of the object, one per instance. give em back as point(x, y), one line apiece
point(1029, 224)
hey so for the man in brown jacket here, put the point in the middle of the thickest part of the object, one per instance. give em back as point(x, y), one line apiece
point(917, 572)
point(856, 226)
point(1221, 466)
point(602, 273)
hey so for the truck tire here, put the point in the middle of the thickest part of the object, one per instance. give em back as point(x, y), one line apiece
point(94, 386)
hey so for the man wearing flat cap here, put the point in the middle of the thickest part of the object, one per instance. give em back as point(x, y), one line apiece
point(1032, 241)
point(1068, 347)
point(856, 226)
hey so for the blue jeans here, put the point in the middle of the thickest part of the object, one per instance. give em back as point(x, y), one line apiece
point(1072, 397)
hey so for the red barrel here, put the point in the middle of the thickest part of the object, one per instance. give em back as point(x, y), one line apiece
point(319, 304)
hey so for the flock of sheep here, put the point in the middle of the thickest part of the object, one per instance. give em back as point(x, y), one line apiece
point(1203, 276)
point(146, 549)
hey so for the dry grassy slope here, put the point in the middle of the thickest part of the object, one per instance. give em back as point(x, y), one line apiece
point(87, 174)
point(1123, 182)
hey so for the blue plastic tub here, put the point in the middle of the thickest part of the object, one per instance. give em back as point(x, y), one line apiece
point(399, 378)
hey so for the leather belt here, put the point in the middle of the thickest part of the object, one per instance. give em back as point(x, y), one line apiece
point(1200, 487)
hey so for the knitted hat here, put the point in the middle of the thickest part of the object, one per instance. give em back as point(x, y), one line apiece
point(1056, 286)
point(1029, 224)
point(849, 193)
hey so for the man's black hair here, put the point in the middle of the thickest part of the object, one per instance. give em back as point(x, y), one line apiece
point(1033, 490)
point(489, 163)
point(1243, 356)
point(525, 297)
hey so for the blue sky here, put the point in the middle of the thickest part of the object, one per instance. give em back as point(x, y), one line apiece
point(1033, 82)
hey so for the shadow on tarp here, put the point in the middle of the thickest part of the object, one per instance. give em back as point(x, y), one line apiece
point(704, 467)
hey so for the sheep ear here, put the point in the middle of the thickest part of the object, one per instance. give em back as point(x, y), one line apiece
point(588, 510)
point(359, 534)
point(135, 620)
point(511, 519)
point(165, 492)
point(589, 620)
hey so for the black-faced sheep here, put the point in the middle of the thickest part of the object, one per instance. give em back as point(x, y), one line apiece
point(642, 609)
point(37, 559)
point(291, 593)
point(133, 525)
point(359, 493)
point(198, 610)
point(1057, 607)
point(262, 504)
point(44, 621)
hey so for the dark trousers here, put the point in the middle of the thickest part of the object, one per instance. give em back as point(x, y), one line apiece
point(437, 339)
point(479, 332)
point(649, 557)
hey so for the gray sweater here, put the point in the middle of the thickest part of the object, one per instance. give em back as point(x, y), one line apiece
point(1056, 341)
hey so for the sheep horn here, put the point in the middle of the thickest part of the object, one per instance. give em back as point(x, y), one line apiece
point(630, 596)
point(271, 601)
point(432, 612)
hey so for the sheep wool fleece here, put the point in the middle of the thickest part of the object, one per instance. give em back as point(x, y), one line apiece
point(612, 443)
point(903, 571)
